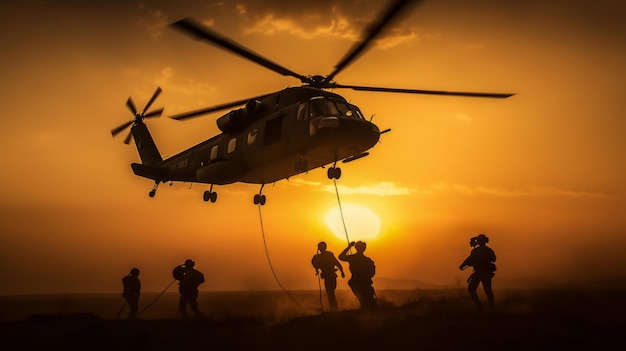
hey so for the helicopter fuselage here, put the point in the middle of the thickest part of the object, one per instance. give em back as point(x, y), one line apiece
point(287, 133)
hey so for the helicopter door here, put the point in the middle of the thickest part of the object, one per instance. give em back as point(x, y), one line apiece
point(273, 130)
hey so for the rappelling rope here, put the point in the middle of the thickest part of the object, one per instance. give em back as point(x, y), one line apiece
point(272, 267)
point(345, 230)
point(319, 285)
point(121, 309)
point(156, 298)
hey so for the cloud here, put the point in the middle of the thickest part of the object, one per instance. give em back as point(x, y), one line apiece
point(155, 23)
point(394, 189)
point(381, 189)
point(168, 78)
point(398, 37)
point(322, 19)
point(528, 191)
point(309, 27)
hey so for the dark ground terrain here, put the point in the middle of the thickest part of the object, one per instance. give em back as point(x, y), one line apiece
point(405, 320)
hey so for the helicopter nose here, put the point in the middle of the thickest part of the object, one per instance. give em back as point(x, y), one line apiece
point(348, 130)
point(328, 122)
point(323, 125)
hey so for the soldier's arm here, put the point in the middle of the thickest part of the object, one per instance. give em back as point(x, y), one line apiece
point(338, 264)
point(344, 254)
point(466, 263)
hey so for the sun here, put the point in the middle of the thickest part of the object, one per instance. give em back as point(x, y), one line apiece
point(361, 222)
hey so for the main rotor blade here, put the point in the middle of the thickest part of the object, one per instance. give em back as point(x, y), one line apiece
point(203, 111)
point(428, 92)
point(154, 96)
point(131, 106)
point(200, 31)
point(155, 113)
point(117, 130)
point(372, 31)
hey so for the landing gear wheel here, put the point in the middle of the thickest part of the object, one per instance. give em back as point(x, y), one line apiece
point(209, 196)
point(334, 173)
point(259, 199)
point(154, 189)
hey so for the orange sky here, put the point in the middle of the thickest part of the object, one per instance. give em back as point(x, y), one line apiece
point(541, 173)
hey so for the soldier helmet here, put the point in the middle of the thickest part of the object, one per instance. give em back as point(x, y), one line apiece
point(482, 239)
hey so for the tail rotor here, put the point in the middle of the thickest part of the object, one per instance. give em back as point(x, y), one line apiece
point(138, 117)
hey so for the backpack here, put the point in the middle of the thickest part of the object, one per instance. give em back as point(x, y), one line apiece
point(178, 272)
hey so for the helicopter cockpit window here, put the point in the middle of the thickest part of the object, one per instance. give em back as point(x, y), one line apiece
point(232, 144)
point(252, 136)
point(214, 150)
point(324, 108)
point(333, 108)
point(344, 109)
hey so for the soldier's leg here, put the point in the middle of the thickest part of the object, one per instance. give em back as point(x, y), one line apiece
point(471, 288)
point(182, 304)
point(488, 291)
point(331, 284)
point(133, 303)
point(355, 289)
point(193, 303)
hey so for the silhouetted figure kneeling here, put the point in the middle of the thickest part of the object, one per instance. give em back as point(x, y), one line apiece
point(189, 280)
point(326, 262)
point(482, 259)
point(132, 289)
point(363, 270)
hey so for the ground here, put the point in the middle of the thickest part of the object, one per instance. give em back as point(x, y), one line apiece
point(549, 320)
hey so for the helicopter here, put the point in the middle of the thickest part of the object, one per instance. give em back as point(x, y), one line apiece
point(273, 136)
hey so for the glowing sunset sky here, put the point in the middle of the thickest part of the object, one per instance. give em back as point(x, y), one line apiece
point(541, 173)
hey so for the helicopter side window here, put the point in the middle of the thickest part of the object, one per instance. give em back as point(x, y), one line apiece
point(301, 112)
point(355, 112)
point(252, 136)
point(232, 145)
point(214, 151)
point(182, 164)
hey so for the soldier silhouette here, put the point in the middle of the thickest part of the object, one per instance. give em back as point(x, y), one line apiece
point(482, 259)
point(326, 262)
point(132, 289)
point(189, 279)
point(363, 270)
